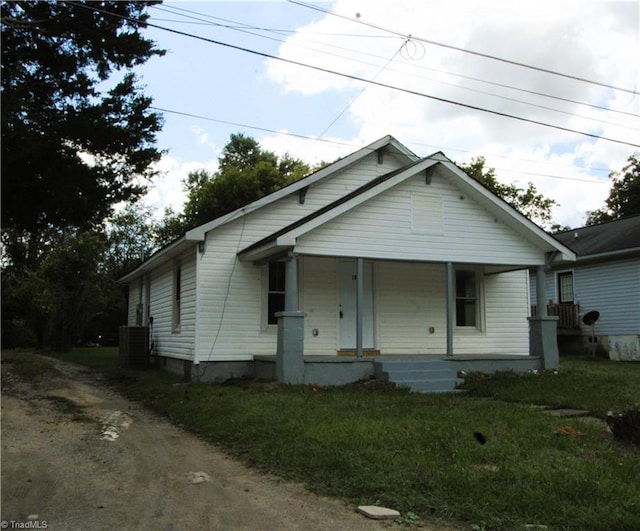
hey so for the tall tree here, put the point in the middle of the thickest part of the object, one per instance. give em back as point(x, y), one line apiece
point(78, 137)
point(69, 150)
point(624, 196)
point(527, 201)
point(246, 173)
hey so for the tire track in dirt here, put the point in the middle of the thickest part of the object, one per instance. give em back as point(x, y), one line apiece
point(57, 466)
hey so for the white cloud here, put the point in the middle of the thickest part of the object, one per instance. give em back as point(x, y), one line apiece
point(592, 40)
point(166, 191)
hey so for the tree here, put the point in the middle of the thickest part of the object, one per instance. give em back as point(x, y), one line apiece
point(624, 197)
point(69, 151)
point(246, 173)
point(78, 137)
point(528, 202)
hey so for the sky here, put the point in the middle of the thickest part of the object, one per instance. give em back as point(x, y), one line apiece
point(438, 76)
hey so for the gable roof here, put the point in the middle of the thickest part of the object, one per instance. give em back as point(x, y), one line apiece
point(386, 144)
point(621, 236)
point(283, 239)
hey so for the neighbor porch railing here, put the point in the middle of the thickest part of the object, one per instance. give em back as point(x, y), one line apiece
point(568, 313)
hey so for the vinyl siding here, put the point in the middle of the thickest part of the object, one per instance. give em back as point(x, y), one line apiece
point(133, 301)
point(612, 288)
point(320, 303)
point(232, 294)
point(168, 342)
point(411, 298)
point(384, 227)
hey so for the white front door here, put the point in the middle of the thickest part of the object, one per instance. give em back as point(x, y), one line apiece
point(347, 305)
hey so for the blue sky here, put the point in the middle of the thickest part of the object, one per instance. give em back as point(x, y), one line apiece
point(592, 40)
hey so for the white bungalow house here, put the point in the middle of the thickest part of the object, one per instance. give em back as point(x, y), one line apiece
point(380, 257)
point(605, 278)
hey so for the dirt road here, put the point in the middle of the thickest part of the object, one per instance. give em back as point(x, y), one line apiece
point(76, 455)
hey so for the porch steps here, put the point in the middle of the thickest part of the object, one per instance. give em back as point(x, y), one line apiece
point(420, 376)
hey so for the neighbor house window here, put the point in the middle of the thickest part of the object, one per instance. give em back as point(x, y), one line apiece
point(177, 293)
point(565, 287)
point(466, 298)
point(275, 291)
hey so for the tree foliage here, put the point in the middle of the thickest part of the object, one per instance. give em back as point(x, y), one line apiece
point(246, 172)
point(527, 201)
point(624, 196)
point(69, 151)
point(78, 137)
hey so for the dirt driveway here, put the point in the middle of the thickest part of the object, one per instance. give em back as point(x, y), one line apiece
point(76, 455)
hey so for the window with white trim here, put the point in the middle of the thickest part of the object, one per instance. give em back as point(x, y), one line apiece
point(565, 287)
point(466, 290)
point(275, 291)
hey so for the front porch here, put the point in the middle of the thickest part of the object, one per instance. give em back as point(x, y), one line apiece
point(423, 373)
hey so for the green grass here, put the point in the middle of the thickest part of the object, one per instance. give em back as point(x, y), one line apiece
point(373, 444)
point(595, 385)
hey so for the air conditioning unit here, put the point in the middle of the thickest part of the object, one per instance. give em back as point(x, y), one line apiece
point(134, 347)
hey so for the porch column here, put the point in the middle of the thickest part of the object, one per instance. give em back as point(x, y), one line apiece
point(291, 284)
point(450, 307)
point(541, 291)
point(290, 345)
point(543, 339)
point(359, 305)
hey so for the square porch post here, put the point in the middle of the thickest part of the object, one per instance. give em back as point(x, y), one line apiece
point(543, 339)
point(290, 345)
point(359, 305)
point(450, 307)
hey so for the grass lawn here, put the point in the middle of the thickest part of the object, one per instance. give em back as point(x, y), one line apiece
point(373, 444)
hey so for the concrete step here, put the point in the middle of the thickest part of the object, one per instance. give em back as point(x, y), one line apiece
point(420, 376)
point(429, 386)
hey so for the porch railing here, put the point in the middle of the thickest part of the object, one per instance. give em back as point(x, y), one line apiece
point(569, 313)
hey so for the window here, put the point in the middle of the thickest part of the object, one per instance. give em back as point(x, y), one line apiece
point(466, 298)
point(177, 291)
point(275, 291)
point(565, 287)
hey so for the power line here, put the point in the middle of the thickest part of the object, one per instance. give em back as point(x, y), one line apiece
point(358, 78)
point(242, 27)
point(347, 144)
point(465, 50)
point(255, 127)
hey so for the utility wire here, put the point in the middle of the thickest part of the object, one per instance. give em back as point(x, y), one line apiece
point(357, 78)
point(347, 144)
point(264, 129)
point(362, 91)
point(464, 50)
point(241, 27)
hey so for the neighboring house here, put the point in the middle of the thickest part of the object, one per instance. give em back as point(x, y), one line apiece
point(605, 278)
point(380, 255)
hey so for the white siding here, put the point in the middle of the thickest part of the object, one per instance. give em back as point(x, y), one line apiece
point(232, 294)
point(506, 311)
point(382, 227)
point(320, 302)
point(134, 300)
point(178, 344)
point(411, 298)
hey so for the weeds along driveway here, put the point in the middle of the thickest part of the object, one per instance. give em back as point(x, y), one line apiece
point(77, 455)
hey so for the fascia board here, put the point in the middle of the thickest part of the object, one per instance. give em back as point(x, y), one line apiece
point(173, 249)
